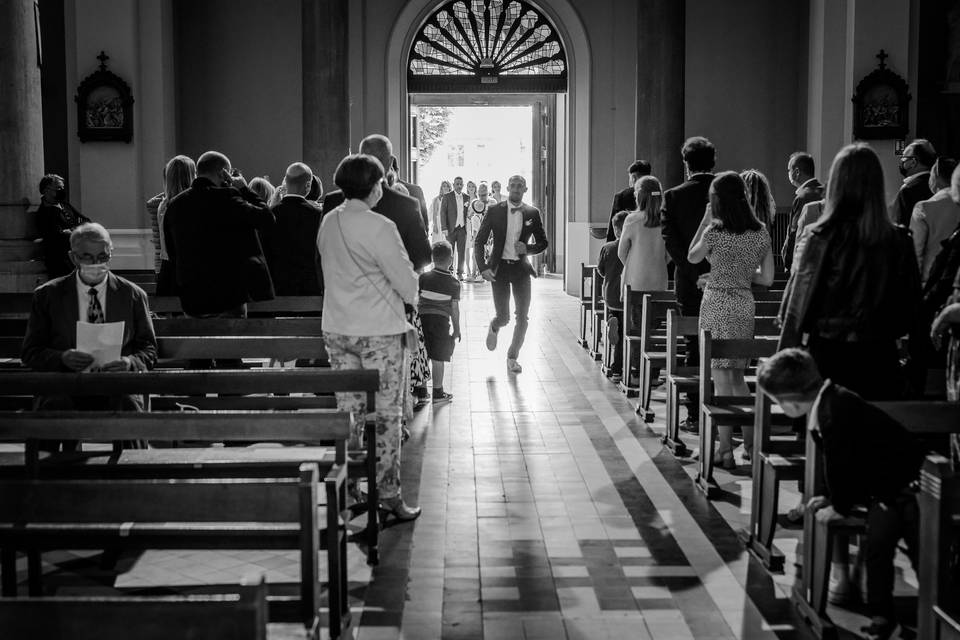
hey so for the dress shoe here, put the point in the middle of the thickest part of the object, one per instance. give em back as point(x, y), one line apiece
point(690, 426)
point(513, 366)
point(397, 508)
point(491, 338)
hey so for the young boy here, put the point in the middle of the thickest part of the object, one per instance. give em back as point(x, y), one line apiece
point(868, 458)
point(439, 308)
point(610, 268)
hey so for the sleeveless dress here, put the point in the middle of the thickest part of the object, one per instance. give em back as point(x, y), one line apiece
point(728, 309)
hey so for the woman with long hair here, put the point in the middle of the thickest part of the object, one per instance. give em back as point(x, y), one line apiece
point(855, 286)
point(760, 196)
point(737, 246)
point(641, 247)
point(178, 174)
point(436, 233)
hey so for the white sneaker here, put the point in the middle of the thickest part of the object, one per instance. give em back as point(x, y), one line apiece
point(513, 366)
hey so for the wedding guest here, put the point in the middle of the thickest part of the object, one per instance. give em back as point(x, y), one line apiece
point(262, 187)
point(291, 244)
point(368, 279)
point(737, 246)
point(801, 173)
point(849, 322)
point(440, 314)
point(626, 200)
point(610, 268)
point(760, 196)
point(56, 218)
point(315, 195)
point(640, 246)
point(435, 227)
point(935, 219)
point(453, 221)
point(495, 193)
point(475, 214)
point(178, 174)
point(915, 163)
point(415, 192)
point(471, 191)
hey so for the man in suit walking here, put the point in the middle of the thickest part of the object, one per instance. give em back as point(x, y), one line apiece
point(626, 200)
point(683, 209)
point(512, 224)
point(402, 210)
point(291, 245)
point(211, 232)
point(453, 219)
point(800, 170)
point(91, 294)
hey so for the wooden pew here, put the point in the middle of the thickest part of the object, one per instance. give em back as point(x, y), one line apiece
point(172, 497)
point(633, 325)
point(221, 616)
point(938, 596)
point(586, 303)
point(596, 315)
point(923, 419)
point(17, 305)
point(654, 309)
point(166, 387)
point(724, 410)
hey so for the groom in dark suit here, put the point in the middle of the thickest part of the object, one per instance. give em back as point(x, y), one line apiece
point(453, 221)
point(512, 223)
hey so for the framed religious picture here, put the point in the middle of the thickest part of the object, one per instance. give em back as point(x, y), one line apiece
point(104, 106)
point(881, 105)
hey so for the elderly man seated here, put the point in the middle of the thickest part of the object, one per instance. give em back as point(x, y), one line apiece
point(89, 294)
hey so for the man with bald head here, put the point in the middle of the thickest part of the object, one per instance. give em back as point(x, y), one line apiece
point(212, 238)
point(402, 210)
point(291, 245)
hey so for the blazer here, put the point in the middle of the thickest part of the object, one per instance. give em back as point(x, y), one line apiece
point(810, 191)
point(495, 222)
point(404, 212)
point(448, 211)
point(52, 328)
point(683, 208)
point(625, 200)
point(291, 248)
point(417, 194)
point(913, 190)
point(932, 222)
point(55, 224)
point(211, 235)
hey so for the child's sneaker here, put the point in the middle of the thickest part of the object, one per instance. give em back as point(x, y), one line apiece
point(442, 396)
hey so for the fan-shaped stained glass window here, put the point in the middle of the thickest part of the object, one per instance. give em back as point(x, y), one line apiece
point(487, 46)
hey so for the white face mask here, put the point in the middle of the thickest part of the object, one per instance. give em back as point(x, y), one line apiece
point(93, 273)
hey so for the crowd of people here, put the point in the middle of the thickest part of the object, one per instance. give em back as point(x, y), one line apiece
point(872, 293)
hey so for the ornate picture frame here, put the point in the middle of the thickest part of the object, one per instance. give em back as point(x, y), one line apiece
point(881, 105)
point(104, 106)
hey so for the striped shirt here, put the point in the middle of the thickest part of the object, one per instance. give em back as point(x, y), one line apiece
point(438, 290)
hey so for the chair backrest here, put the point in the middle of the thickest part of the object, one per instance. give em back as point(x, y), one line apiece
point(586, 281)
point(677, 325)
point(654, 307)
point(227, 346)
point(213, 616)
point(238, 327)
point(633, 304)
point(281, 305)
point(596, 289)
point(710, 348)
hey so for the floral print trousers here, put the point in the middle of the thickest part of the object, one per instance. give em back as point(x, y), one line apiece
point(387, 355)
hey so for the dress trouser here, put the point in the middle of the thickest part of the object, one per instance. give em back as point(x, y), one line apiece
point(887, 523)
point(511, 276)
point(458, 240)
point(387, 355)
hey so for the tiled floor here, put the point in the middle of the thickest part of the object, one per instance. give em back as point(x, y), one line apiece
point(549, 512)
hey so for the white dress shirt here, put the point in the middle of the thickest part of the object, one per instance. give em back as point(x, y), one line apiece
point(83, 297)
point(459, 198)
point(514, 227)
point(367, 274)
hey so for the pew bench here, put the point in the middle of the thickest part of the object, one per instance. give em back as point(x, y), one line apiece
point(586, 303)
point(638, 331)
point(597, 328)
point(222, 616)
point(938, 596)
point(187, 502)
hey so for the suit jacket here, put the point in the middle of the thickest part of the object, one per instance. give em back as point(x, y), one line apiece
point(625, 200)
point(417, 194)
point(55, 224)
point(914, 189)
point(291, 248)
point(404, 212)
point(212, 240)
point(495, 222)
point(448, 211)
point(683, 208)
point(810, 191)
point(52, 328)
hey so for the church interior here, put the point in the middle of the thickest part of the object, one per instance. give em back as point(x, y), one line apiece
point(238, 474)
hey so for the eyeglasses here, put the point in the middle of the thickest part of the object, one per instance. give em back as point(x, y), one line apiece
point(86, 258)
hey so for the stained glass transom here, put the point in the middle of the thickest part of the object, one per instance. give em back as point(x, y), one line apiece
point(487, 40)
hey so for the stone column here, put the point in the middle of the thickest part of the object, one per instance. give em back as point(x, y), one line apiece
point(661, 29)
point(21, 146)
point(326, 106)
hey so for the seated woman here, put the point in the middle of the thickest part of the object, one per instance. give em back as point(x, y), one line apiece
point(367, 279)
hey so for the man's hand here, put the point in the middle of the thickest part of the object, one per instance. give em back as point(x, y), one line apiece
point(817, 502)
point(520, 248)
point(76, 360)
point(487, 274)
point(827, 514)
point(123, 364)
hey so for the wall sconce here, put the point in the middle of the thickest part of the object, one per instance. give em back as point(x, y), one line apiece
point(899, 146)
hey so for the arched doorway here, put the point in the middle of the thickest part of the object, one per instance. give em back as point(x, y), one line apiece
point(568, 185)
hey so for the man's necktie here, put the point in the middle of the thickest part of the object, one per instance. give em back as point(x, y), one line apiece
point(94, 311)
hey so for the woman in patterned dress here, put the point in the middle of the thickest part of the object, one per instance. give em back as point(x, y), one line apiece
point(737, 246)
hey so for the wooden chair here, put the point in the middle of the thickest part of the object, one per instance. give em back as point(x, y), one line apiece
point(596, 315)
point(586, 303)
point(939, 592)
point(652, 347)
point(723, 410)
point(215, 616)
point(633, 323)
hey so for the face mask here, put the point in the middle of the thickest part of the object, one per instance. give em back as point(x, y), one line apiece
point(93, 273)
point(904, 171)
point(60, 195)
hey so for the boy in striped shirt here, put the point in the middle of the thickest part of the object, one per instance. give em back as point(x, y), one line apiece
point(439, 309)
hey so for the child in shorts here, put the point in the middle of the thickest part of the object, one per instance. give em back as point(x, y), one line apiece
point(439, 309)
